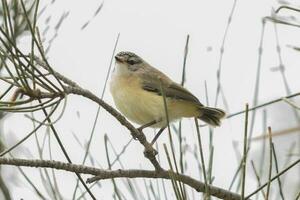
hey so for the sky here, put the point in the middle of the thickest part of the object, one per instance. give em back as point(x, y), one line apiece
point(157, 31)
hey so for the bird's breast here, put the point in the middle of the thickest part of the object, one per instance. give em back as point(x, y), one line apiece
point(142, 107)
point(135, 103)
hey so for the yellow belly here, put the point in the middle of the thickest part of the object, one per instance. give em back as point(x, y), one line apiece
point(142, 107)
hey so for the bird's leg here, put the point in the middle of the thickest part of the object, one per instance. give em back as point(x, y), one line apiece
point(157, 135)
point(147, 125)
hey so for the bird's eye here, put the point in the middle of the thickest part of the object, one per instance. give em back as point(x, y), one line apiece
point(131, 61)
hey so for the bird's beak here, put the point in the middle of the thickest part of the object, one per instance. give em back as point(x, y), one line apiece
point(118, 58)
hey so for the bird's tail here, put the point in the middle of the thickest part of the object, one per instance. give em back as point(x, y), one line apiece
point(212, 116)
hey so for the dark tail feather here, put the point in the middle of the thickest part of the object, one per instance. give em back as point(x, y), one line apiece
point(212, 116)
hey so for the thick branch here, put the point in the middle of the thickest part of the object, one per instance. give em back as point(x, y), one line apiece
point(107, 174)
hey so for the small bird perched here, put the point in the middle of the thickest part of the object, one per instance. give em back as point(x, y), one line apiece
point(137, 90)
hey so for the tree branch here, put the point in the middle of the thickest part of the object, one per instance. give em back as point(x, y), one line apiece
point(149, 152)
point(101, 174)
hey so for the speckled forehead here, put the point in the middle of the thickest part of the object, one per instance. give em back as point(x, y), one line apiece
point(127, 53)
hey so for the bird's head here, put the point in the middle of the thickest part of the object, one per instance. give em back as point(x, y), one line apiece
point(128, 62)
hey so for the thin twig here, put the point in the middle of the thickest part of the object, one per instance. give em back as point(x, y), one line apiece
point(274, 178)
point(181, 193)
point(207, 192)
point(277, 133)
point(270, 163)
point(97, 113)
point(219, 86)
point(245, 153)
point(257, 178)
point(286, 7)
point(173, 180)
point(116, 190)
point(28, 135)
point(276, 167)
point(65, 152)
point(264, 104)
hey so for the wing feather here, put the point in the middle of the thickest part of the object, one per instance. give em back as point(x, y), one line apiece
point(152, 83)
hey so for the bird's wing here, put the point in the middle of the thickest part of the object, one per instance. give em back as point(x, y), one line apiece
point(152, 82)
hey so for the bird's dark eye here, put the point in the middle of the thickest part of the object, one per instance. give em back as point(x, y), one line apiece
point(131, 62)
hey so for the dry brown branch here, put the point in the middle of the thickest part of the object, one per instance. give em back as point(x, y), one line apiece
point(101, 174)
point(277, 133)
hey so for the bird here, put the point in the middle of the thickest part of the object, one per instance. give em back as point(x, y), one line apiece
point(149, 98)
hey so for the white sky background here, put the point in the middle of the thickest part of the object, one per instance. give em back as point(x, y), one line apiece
point(156, 30)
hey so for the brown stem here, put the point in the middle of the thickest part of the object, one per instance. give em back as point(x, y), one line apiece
point(101, 174)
